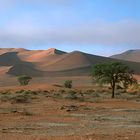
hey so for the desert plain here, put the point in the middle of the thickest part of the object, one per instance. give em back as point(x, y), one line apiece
point(46, 110)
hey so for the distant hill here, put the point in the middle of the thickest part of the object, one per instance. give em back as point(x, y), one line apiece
point(131, 55)
point(53, 62)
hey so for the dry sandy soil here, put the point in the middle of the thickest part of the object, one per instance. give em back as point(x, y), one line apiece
point(56, 113)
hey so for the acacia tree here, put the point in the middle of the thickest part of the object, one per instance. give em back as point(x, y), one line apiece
point(114, 73)
point(24, 80)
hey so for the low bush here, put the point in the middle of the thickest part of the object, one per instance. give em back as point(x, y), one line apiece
point(30, 92)
point(14, 98)
point(61, 91)
point(68, 84)
point(71, 95)
point(24, 80)
point(5, 98)
point(20, 99)
point(95, 95)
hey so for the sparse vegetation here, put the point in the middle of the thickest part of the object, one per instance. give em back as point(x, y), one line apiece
point(24, 80)
point(17, 97)
point(71, 95)
point(85, 105)
point(20, 99)
point(114, 74)
point(68, 84)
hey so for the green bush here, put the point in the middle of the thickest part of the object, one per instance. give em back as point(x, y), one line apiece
point(68, 84)
point(24, 80)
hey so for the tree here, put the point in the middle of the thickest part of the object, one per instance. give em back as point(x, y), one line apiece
point(115, 73)
point(24, 80)
point(68, 84)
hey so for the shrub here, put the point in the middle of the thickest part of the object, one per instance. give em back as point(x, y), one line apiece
point(95, 95)
point(5, 98)
point(29, 92)
point(90, 91)
point(20, 91)
point(20, 99)
point(68, 84)
point(15, 98)
point(71, 95)
point(24, 80)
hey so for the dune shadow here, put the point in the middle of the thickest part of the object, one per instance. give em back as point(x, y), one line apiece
point(18, 67)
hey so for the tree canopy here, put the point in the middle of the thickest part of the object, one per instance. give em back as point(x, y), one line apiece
point(115, 73)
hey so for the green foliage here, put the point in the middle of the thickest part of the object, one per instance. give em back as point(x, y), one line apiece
point(114, 74)
point(68, 84)
point(24, 80)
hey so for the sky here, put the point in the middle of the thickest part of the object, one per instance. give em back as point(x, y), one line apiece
point(101, 27)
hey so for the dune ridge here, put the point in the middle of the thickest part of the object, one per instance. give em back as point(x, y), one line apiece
point(52, 62)
point(131, 55)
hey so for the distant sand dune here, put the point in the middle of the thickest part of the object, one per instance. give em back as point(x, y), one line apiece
point(131, 55)
point(52, 62)
point(39, 55)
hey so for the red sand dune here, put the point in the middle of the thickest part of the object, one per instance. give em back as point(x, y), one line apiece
point(51, 62)
point(39, 55)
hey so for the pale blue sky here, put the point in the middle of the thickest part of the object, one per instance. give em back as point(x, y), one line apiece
point(102, 27)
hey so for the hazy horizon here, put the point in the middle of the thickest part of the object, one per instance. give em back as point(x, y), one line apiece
point(97, 27)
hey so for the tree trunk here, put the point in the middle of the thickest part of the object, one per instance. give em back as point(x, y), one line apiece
point(113, 90)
